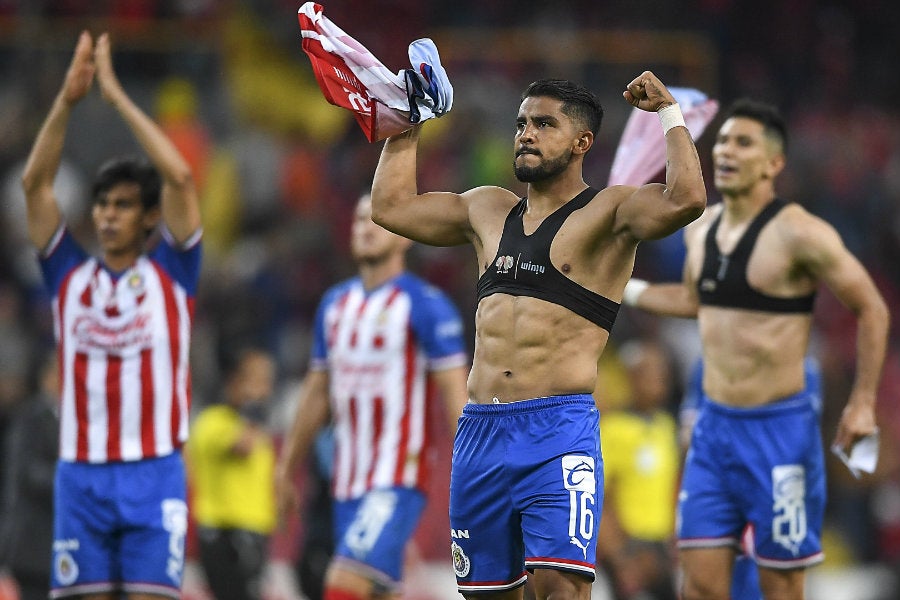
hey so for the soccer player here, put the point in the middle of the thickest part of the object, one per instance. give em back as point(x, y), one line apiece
point(753, 266)
point(380, 340)
point(123, 322)
point(527, 485)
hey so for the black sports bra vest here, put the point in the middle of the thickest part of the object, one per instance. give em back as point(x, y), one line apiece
point(723, 278)
point(522, 266)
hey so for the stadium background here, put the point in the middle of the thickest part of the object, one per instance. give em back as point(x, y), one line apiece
point(280, 169)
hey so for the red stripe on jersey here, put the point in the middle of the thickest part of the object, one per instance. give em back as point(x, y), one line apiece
point(408, 382)
point(332, 330)
point(174, 346)
point(114, 407)
point(353, 434)
point(148, 433)
point(392, 297)
point(377, 429)
point(86, 295)
point(81, 412)
point(359, 314)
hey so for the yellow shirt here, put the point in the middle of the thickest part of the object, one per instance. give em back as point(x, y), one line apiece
point(640, 464)
point(228, 490)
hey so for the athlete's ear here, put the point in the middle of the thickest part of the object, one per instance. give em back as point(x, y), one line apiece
point(584, 142)
point(776, 165)
point(151, 218)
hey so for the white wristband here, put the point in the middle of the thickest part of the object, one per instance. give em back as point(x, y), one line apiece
point(670, 116)
point(633, 290)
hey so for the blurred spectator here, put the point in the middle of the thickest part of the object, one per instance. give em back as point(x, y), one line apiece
point(29, 455)
point(317, 546)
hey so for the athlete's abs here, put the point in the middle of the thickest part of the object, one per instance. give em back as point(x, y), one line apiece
point(529, 348)
point(752, 358)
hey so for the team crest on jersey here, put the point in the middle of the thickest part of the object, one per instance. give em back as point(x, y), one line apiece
point(461, 563)
point(66, 568)
point(504, 264)
point(136, 283)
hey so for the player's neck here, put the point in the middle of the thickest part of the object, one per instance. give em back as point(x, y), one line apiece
point(119, 262)
point(546, 196)
point(376, 273)
point(742, 207)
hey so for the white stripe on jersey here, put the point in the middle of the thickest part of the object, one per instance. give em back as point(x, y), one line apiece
point(378, 391)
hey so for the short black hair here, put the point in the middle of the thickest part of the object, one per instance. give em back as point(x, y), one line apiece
point(578, 102)
point(763, 113)
point(233, 354)
point(129, 169)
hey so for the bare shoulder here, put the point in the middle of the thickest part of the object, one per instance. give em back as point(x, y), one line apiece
point(799, 227)
point(608, 200)
point(489, 200)
point(615, 194)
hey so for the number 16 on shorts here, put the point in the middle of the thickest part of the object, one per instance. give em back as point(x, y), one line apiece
point(579, 478)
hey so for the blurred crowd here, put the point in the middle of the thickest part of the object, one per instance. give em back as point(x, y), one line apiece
point(280, 170)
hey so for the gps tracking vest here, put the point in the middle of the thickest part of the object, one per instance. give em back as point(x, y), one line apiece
point(723, 278)
point(522, 266)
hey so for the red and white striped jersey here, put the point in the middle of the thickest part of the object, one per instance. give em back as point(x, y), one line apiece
point(123, 347)
point(378, 347)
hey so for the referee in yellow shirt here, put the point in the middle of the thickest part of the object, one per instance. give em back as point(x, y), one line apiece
point(231, 462)
point(641, 464)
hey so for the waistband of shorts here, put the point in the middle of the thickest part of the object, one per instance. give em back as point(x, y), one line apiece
point(799, 402)
point(530, 405)
point(175, 455)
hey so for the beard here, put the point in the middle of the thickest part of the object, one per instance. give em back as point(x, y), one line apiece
point(547, 169)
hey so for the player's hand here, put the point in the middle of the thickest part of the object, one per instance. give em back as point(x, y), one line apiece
point(647, 92)
point(109, 84)
point(857, 421)
point(80, 75)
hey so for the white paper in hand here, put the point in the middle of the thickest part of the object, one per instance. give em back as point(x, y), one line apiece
point(863, 455)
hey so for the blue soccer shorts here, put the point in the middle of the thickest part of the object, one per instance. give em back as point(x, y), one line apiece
point(525, 491)
point(372, 531)
point(119, 527)
point(762, 468)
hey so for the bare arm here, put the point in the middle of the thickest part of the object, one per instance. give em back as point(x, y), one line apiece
point(434, 218)
point(43, 162)
point(821, 250)
point(180, 204)
point(669, 300)
point(451, 384)
point(311, 415)
point(655, 210)
point(248, 438)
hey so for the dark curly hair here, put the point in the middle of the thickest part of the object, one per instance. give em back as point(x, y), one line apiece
point(129, 169)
